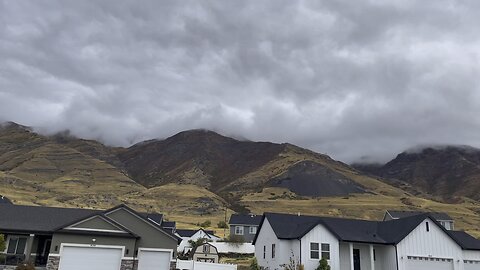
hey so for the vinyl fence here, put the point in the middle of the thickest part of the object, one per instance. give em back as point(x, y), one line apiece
point(192, 265)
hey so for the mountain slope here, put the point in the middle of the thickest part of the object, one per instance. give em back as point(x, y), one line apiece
point(447, 172)
point(197, 176)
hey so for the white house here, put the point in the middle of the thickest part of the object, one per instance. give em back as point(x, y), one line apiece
point(413, 243)
point(194, 235)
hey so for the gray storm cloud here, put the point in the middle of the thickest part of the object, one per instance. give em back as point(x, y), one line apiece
point(353, 79)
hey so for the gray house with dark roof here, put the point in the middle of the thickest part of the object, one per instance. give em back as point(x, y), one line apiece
point(244, 225)
point(75, 239)
point(416, 242)
point(443, 218)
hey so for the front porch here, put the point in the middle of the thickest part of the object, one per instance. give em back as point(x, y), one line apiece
point(22, 248)
point(356, 256)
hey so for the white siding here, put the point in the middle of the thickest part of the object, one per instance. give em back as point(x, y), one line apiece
point(435, 243)
point(344, 256)
point(320, 235)
point(385, 258)
point(473, 255)
point(283, 248)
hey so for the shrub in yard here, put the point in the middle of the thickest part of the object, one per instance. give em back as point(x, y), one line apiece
point(25, 266)
point(293, 264)
point(2, 242)
point(222, 224)
point(205, 224)
point(254, 264)
point(323, 265)
point(235, 239)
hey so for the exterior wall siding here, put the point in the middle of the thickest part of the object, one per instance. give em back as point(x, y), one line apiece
point(320, 235)
point(284, 249)
point(434, 243)
point(96, 223)
point(247, 236)
point(385, 258)
point(344, 256)
point(150, 237)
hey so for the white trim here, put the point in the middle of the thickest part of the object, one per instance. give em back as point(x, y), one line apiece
point(157, 250)
point(94, 230)
point(72, 227)
point(7, 242)
point(239, 227)
point(141, 218)
point(63, 245)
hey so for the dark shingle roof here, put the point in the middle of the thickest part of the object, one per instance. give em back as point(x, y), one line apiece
point(190, 233)
point(169, 224)
point(465, 240)
point(157, 218)
point(4, 199)
point(245, 219)
point(22, 218)
point(404, 214)
point(350, 230)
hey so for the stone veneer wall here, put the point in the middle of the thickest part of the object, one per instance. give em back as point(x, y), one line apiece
point(128, 265)
point(53, 262)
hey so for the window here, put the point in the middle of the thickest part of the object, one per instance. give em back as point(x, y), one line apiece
point(239, 230)
point(253, 230)
point(16, 245)
point(314, 251)
point(326, 251)
point(273, 251)
point(427, 226)
point(206, 249)
point(264, 252)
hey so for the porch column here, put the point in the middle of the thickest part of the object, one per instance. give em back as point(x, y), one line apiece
point(372, 258)
point(28, 248)
point(350, 251)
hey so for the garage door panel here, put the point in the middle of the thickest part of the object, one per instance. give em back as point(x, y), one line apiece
point(154, 260)
point(472, 265)
point(90, 258)
point(422, 263)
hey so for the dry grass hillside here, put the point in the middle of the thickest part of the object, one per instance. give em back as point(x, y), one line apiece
point(199, 176)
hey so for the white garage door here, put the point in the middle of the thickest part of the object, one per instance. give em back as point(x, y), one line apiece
point(472, 265)
point(422, 263)
point(153, 260)
point(90, 258)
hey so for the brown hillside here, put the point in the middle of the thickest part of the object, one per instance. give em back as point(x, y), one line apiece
point(448, 172)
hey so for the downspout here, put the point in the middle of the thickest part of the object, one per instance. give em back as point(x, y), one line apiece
point(300, 239)
point(396, 256)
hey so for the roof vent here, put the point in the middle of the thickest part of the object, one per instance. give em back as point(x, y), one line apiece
point(298, 214)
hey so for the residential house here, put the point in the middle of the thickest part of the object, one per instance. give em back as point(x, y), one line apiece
point(244, 226)
point(205, 253)
point(443, 218)
point(411, 243)
point(76, 239)
point(193, 235)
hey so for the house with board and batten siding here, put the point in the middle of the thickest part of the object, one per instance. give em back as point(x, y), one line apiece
point(416, 242)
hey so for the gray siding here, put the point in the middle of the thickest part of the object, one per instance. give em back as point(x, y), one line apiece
point(150, 237)
point(247, 236)
point(96, 223)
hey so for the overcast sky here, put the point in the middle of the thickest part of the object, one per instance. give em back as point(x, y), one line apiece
point(348, 78)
